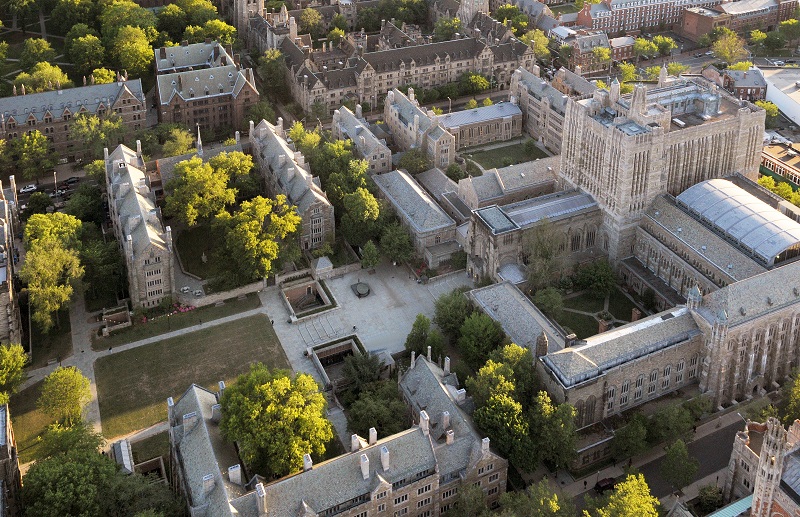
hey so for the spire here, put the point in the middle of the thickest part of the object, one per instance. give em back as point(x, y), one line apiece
point(199, 142)
point(695, 298)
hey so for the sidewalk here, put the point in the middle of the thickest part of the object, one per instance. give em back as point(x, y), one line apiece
point(576, 487)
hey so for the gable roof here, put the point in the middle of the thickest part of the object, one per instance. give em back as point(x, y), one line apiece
point(198, 55)
point(207, 82)
point(358, 131)
point(414, 204)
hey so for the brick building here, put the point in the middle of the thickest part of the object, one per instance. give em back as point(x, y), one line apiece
point(52, 113)
point(202, 85)
point(741, 16)
point(622, 16)
point(782, 159)
point(746, 85)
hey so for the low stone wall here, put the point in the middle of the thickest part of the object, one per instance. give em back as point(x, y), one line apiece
point(340, 271)
point(210, 299)
point(291, 275)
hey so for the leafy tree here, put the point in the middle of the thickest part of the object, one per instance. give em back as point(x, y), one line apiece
point(565, 53)
point(124, 13)
point(60, 227)
point(446, 28)
point(64, 394)
point(414, 161)
point(339, 22)
point(104, 268)
point(172, 20)
point(540, 43)
point(34, 154)
point(262, 110)
point(627, 72)
point(512, 13)
point(757, 37)
point(86, 204)
point(791, 394)
point(436, 342)
point(631, 439)
point(668, 423)
point(341, 183)
point(96, 170)
point(87, 53)
point(197, 193)
point(193, 34)
point(538, 500)
point(625, 88)
point(598, 277)
point(3, 50)
point(602, 54)
point(487, 102)
point(503, 420)
point(741, 65)
point(709, 498)
point(50, 271)
point(78, 30)
point(220, 31)
point(378, 405)
point(275, 419)
point(38, 203)
point(96, 133)
point(542, 253)
point(370, 256)
point(549, 300)
point(665, 44)
point(361, 212)
point(770, 108)
point(103, 76)
point(308, 142)
point(254, 236)
point(699, 406)
point(368, 19)
point(455, 172)
point(677, 467)
point(180, 141)
point(131, 50)
point(360, 370)
point(42, 77)
point(554, 426)
point(35, 50)
point(198, 11)
point(471, 83)
point(471, 104)
point(480, 334)
point(12, 369)
point(68, 13)
point(775, 40)
point(677, 69)
point(451, 310)
point(395, 243)
point(417, 338)
point(631, 498)
point(311, 22)
point(60, 440)
point(336, 35)
point(644, 47)
point(520, 360)
point(730, 47)
point(493, 378)
point(470, 502)
point(791, 29)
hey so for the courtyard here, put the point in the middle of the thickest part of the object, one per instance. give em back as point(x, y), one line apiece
point(133, 386)
point(580, 312)
point(506, 155)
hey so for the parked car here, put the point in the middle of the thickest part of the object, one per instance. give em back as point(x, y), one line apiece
point(604, 485)
point(72, 180)
point(709, 53)
point(27, 189)
point(779, 63)
point(58, 193)
point(699, 55)
point(791, 61)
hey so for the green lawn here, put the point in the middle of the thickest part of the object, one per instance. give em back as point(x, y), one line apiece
point(586, 302)
point(564, 9)
point(151, 447)
point(56, 344)
point(133, 386)
point(582, 326)
point(29, 422)
point(178, 321)
point(191, 244)
point(504, 156)
point(620, 306)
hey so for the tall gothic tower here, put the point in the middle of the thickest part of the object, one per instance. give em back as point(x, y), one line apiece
point(770, 466)
point(469, 8)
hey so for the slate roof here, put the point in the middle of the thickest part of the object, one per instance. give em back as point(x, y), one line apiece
point(87, 98)
point(532, 8)
point(588, 42)
point(589, 358)
point(547, 23)
point(747, 79)
point(355, 129)
point(496, 183)
point(407, 109)
point(422, 55)
point(742, 217)
point(139, 217)
point(412, 202)
point(576, 82)
point(436, 182)
point(521, 320)
point(293, 178)
point(551, 207)
point(741, 7)
point(489, 27)
point(541, 89)
point(198, 55)
point(207, 82)
point(393, 36)
point(479, 115)
point(622, 41)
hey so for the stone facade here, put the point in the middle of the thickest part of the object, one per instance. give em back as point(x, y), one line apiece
point(52, 113)
point(267, 30)
point(285, 172)
point(10, 478)
point(626, 150)
point(413, 127)
point(352, 126)
point(10, 323)
point(136, 219)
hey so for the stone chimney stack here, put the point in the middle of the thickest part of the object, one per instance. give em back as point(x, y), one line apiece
point(208, 483)
point(252, 127)
point(139, 148)
point(485, 444)
point(105, 153)
point(424, 422)
point(429, 353)
point(170, 409)
point(364, 461)
point(216, 413)
point(307, 463)
point(445, 419)
point(413, 359)
point(221, 386)
point(373, 435)
point(541, 345)
point(359, 111)
point(261, 498)
point(450, 436)
point(385, 458)
point(235, 474)
point(446, 365)
point(279, 127)
point(355, 443)
point(236, 136)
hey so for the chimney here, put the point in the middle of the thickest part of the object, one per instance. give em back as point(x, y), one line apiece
point(252, 124)
point(355, 443)
point(221, 386)
point(170, 408)
point(235, 474)
point(424, 422)
point(216, 413)
point(364, 466)
point(261, 499)
point(358, 111)
point(446, 365)
point(461, 395)
point(450, 436)
point(307, 463)
point(385, 458)
point(413, 360)
point(279, 127)
point(485, 444)
point(429, 353)
point(373, 436)
point(189, 421)
point(105, 153)
point(236, 136)
point(208, 483)
point(281, 160)
point(445, 419)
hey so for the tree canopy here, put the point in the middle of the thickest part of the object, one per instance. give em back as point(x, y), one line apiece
point(35, 50)
point(272, 70)
point(41, 78)
point(12, 369)
point(64, 394)
point(678, 468)
point(480, 334)
point(197, 191)
point(631, 498)
point(451, 310)
point(446, 28)
point(275, 419)
point(96, 133)
point(730, 47)
point(34, 154)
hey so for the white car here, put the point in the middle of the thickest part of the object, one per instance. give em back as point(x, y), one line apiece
point(779, 63)
point(198, 293)
point(28, 189)
point(185, 289)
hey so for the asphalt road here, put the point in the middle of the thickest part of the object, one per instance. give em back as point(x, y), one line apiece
point(712, 451)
